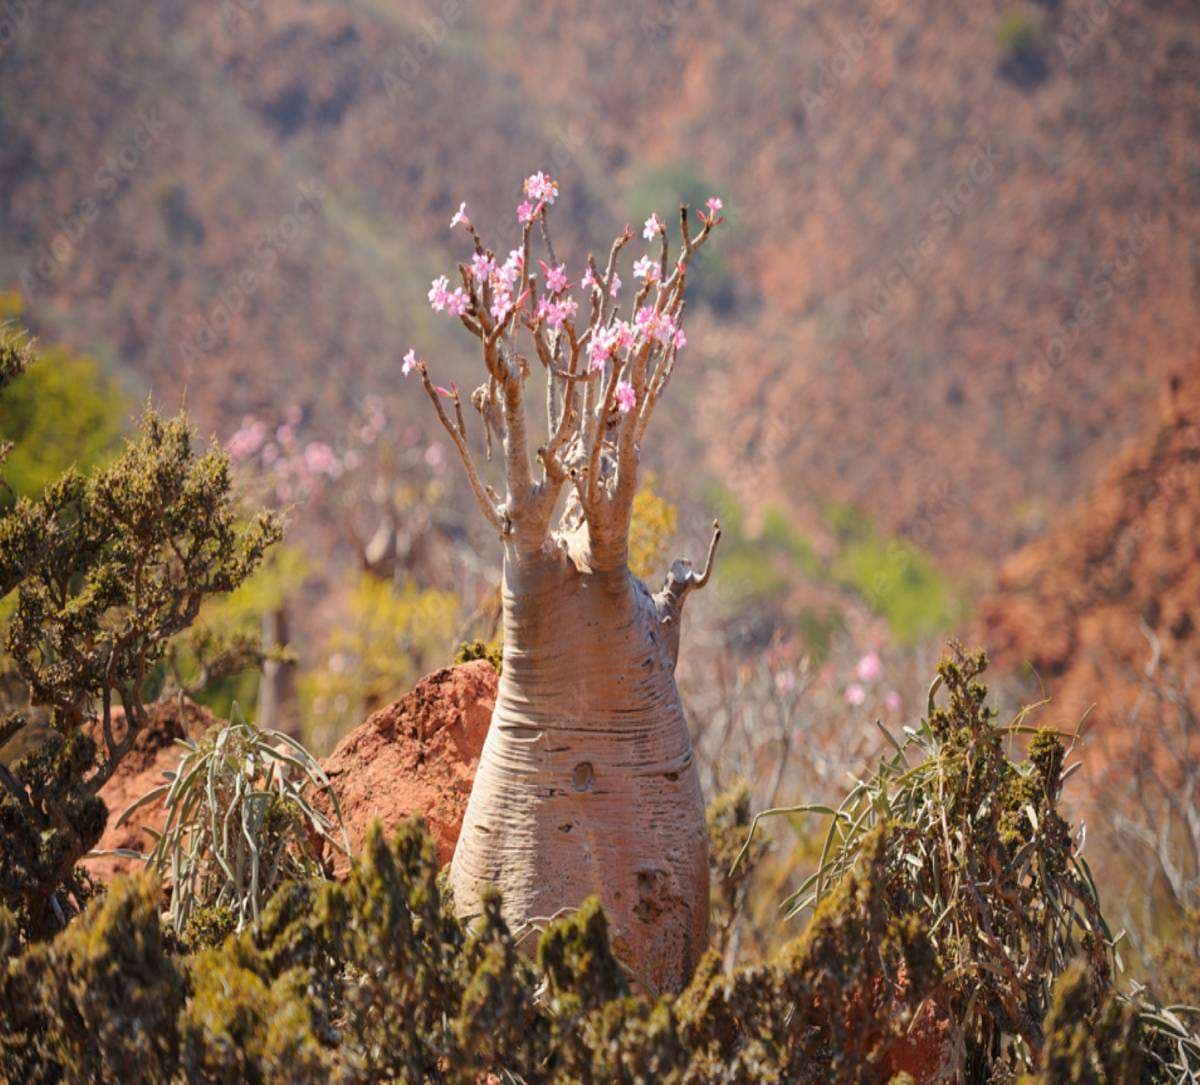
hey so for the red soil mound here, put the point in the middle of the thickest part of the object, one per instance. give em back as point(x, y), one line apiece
point(416, 757)
point(154, 752)
point(1090, 603)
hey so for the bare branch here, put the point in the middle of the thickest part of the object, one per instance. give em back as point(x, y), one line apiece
point(485, 503)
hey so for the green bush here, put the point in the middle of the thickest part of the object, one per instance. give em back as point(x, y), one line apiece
point(376, 981)
point(105, 569)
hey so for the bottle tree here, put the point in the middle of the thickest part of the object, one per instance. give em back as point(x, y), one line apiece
point(586, 784)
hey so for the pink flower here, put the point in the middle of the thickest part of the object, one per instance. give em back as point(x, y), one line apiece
point(439, 293)
point(449, 393)
point(653, 227)
point(556, 277)
point(526, 212)
point(680, 339)
point(247, 440)
point(410, 360)
point(482, 266)
point(456, 303)
point(647, 269)
point(604, 342)
point(502, 301)
point(869, 667)
point(892, 700)
point(319, 459)
point(647, 320)
point(555, 312)
point(626, 398)
point(460, 216)
point(714, 204)
point(541, 187)
point(510, 270)
point(785, 681)
point(855, 694)
point(616, 285)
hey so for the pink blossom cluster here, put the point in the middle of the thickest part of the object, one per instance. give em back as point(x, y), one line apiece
point(297, 467)
point(554, 312)
point(660, 327)
point(555, 308)
point(868, 670)
point(441, 297)
point(647, 268)
point(606, 341)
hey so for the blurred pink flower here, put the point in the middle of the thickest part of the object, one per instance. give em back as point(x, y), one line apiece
point(293, 415)
point(653, 227)
point(319, 459)
point(714, 203)
point(284, 435)
point(892, 700)
point(456, 303)
point(785, 681)
point(460, 216)
point(502, 302)
point(680, 339)
point(556, 277)
point(248, 439)
point(870, 667)
point(626, 398)
point(526, 212)
point(855, 694)
point(438, 293)
point(482, 265)
point(647, 269)
point(410, 360)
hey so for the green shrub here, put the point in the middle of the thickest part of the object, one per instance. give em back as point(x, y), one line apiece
point(105, 569)
point(943, 894)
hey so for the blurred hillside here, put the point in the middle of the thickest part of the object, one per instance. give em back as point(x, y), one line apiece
point(1113, 592)
point(964, 243)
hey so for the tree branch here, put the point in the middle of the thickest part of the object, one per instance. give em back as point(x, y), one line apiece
point(485, 503)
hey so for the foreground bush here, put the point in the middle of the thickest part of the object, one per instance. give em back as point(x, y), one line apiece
point(983, 962)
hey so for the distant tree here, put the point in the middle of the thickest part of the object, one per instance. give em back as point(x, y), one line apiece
point(587, 782)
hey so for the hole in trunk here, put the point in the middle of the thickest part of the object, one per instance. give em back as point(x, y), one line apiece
point(583, 776)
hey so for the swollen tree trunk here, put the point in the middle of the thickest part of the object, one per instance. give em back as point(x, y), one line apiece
point(587, 784)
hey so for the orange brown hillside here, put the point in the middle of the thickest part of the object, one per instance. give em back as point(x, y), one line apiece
point(1117, 580)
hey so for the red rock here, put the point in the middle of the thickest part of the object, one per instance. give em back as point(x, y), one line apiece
point(415, 757)
point(154, 752)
